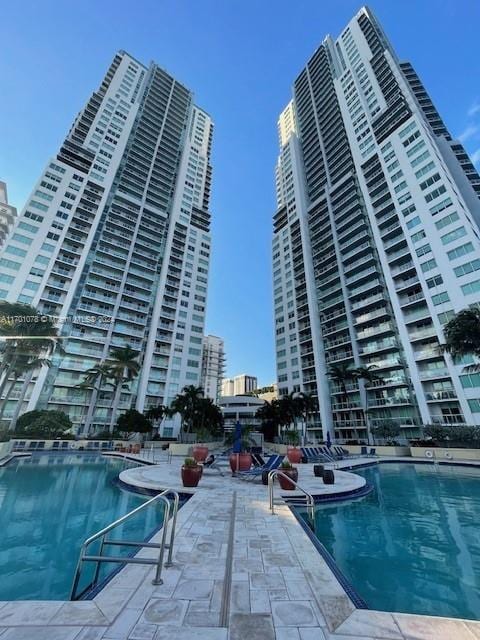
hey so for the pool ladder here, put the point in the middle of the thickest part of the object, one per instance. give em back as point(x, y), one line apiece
point(308, 500)
point(161, 546)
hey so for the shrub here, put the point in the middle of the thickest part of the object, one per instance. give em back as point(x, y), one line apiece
point(132, 421)
point(189, 462)
point(43, 424)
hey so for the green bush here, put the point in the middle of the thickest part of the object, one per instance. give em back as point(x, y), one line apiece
point(132, 421)
point(44, 424)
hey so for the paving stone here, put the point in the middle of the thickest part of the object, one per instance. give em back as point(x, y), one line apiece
point(41, 633)
point(370, 623)
point(165, 612)
point(91, 633)
point(286, 633)
point(25, 612)
point(428, 628)
point(288, 613)
point(80, 613)
point(202, 619)
point(266, 581)
point(143, 631)
point(240, 597)
point(194, 590)
point(191, 633)
point(254, 626)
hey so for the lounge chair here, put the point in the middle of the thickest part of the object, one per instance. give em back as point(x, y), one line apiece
point(64, 446)
point(32, 445)
point(41, 445)
point(363, 451)
point(313, 454)
point(273, 462)
point(106, 446)
point(211, 464)
point(19, 445)
point(372, 452)
point(257, 459)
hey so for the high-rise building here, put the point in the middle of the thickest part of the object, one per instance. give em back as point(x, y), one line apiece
point(238, 385)
point(114, 241)
point(7, 218)
point(213, 366)
point(376, 241)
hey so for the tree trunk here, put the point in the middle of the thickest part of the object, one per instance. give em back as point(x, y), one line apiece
point(7, 395)
point(115, 403)
point(23, 391)
point(6, 376)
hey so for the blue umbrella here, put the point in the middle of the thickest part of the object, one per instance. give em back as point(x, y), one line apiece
point(329, 440)
point(237, 438)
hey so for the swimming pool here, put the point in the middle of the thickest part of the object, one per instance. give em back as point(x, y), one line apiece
point(49, 504)
point(413, 544)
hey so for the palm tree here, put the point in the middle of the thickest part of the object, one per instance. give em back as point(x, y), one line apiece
point(186, 404)
point(28, 338)
point(28, 371)
point(307, 405)
point(341, 374)
point(124, 367)
point(157, 414)
point(94, 379)
point(367, 375)
point(462, 335)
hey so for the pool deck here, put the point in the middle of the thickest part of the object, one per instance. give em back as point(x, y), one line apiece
point(238, 573)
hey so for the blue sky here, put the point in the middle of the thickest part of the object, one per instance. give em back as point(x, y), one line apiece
point(240, 57)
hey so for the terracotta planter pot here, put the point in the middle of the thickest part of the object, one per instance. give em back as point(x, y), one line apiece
point(285, 483)
point(191, 476)
point(240, 461)
point(294, 455)
point(200, 453)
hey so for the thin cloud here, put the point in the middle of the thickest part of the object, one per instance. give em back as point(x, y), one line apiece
point(475, 157)
point(470, 131)
point(474, 109)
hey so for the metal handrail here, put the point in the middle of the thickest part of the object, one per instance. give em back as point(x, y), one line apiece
point(309, 498)
point(162, 545)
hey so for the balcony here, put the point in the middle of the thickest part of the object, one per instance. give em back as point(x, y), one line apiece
point(382, 345)
point(437, 396)
point(401, 253)
point(358, 304)
point(372, 284)
point(447, 420)
point(333, 314)
point(345, 406)
point(431, 374)
point(423, 314)
point(355, 250)
point(335, 328)
point(373, 315)
point(360, 274)
point(404, 284)
point(388, 402)
point(377, 330)
point(388, 382)
point(336, 357)
point(428, 332)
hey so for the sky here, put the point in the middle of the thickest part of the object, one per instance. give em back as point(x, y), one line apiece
point(240, 58)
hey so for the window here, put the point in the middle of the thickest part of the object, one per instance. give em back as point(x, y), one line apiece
point(440, 224)
point(424, 170)
point(25, 299)
point(427, 266)
point(33, 286)
point(468, 267)
point(440, 298)
point(47, 247)
point(460, 251)
point(407, 129)
point(434, 282)
point(400, 187)
point(20, 238)
point(446, 316)
point(411, 139)
point(6, 279)
point(421, 251)
point(441, 206)
point(454, 235)
point(423, 156)
point(413, 222)
point(428, 183)
point(411, 152)
point(471, 287)
point(418, 236)
point(474, 405)
point(470, 380)
point(435, 193)
point(409, 210)
point(28, 227)
point(16, 251)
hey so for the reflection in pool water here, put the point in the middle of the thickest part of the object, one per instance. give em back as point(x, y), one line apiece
point(413, 544)
point(49, 504)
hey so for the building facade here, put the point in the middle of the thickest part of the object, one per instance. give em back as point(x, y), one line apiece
point(7, 218)
point(239, 385)
point(376, 242)
point(240, 408)
point(114, 242)
point(213, 366)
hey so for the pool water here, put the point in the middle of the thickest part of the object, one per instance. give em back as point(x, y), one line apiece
point(49, 504)
point(413, 544)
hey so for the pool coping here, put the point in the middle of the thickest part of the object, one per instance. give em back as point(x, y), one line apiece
point(89, 619)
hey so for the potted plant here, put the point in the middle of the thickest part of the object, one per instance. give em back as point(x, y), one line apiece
point(241, 461)
point(191, 472)
point(294, 454)
point(287, 470)
point(200, 452)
